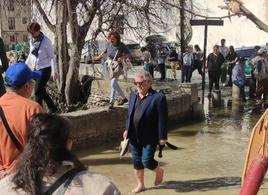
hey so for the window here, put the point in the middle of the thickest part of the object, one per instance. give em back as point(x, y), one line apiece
point(12, 38)
point(10, 5)
point(11, 23)
point(24, 20)
point(25, 38)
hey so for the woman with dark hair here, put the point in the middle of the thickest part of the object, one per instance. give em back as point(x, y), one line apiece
point(116, 52)
point(198, 60)
point(46, 163)
point(231, 58)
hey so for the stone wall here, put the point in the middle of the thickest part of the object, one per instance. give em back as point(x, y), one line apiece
point(100, 125)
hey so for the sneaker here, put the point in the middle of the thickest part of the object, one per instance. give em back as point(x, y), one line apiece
point(122, 101)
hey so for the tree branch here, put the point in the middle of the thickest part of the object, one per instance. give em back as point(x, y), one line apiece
point(44, 15)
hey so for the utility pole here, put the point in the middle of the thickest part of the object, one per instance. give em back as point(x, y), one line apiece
point(182, 18)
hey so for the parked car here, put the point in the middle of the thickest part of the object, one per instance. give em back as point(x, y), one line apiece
point(92, 49)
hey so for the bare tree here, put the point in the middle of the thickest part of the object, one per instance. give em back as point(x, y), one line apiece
point(77, 17)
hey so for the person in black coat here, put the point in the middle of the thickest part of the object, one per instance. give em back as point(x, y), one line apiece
point(214, 62)
point(146, 127)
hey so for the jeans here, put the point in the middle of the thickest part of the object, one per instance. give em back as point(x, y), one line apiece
point(146, 67)
point(186, 74)
point(241, 85)
point(252, 87)
point(162, 70)
point(40, 89)
point(143, 156)
point(149, 68)
point(115, 88)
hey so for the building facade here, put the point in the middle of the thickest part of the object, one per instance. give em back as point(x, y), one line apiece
point(15, 15)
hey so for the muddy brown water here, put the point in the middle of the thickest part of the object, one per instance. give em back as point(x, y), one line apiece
point(209, 160)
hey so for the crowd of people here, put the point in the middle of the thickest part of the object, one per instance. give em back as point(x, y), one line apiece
point(223, 66)
point(35, 147)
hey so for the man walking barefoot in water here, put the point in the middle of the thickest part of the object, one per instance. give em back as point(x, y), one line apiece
point(146, 128)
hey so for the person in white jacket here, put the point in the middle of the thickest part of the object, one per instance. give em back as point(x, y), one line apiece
point(42, 58)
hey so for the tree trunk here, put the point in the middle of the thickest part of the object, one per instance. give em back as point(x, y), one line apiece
point(72, 82)
point(62, 44)
point(78, 35)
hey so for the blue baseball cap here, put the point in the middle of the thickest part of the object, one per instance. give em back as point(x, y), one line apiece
point(19, 74)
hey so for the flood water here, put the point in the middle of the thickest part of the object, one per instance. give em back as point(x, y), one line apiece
point(209, 160)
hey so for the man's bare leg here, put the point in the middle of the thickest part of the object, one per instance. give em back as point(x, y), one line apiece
point(159, 174)
point(140, 179)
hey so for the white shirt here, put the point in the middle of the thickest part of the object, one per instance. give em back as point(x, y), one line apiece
point(187, 59)
point(46, 57)
point(224, 50)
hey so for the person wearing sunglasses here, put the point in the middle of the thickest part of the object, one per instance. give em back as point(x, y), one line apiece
point(146, 127)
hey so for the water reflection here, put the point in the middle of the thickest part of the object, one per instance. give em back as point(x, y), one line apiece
point(232, 116)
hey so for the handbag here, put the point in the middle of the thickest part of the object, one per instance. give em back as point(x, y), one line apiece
point(115, 68)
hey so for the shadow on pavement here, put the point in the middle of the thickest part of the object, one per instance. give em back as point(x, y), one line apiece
point(200, 184)
point(106, 161)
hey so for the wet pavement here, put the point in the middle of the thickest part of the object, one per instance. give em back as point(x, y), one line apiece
point(209, 160)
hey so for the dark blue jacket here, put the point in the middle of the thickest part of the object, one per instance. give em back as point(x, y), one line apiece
point(153, 121)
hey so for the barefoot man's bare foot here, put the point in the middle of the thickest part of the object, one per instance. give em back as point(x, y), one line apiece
point(159, 177)
point(138, 189)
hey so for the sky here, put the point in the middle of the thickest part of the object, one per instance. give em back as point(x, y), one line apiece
point(239, 31)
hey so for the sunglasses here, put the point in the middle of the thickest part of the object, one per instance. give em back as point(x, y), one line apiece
point(139, 83)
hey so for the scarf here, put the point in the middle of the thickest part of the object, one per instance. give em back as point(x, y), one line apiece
point(36, 42)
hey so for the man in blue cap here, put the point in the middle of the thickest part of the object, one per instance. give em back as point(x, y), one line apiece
point(18, 111)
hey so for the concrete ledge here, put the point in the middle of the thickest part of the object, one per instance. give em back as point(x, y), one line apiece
point(98, 126)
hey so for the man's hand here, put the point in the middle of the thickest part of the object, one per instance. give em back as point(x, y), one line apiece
point(125, 134)
point(162, 141)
